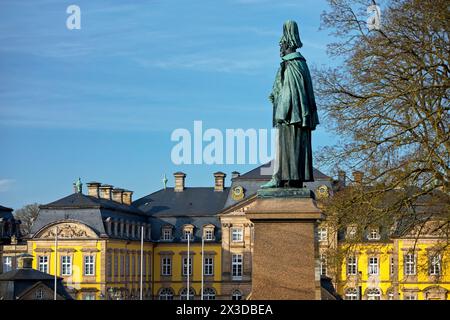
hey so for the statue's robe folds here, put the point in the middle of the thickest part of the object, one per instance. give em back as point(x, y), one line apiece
point(295, 116)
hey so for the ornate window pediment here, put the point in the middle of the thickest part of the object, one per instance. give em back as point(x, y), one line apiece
point(67, 230)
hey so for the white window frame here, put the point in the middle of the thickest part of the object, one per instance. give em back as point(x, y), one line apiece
point(185, 266)
point(373, 266)
point(184, 293)
point(208, 264)
point(186, 231)
point(208, 234)
point(409, 296)
point(209, 294)
point(373, 294)
point(89, 265)
point(435, 265)
point(351, 294)
point(322, 233)
point(409, 262)
point(236, 295)
point(7, 264)
point(165, 294)
point(237, 263)
point(166, 266)
point(237, 234)
point(352, 265)
point(43, 264)
point(323, 265)
point(167, 234)
point(66, 265)
point(374, 234)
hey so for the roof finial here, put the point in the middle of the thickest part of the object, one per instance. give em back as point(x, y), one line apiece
point(164, 180)
point(78, 186)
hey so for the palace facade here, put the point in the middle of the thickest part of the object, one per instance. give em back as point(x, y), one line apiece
point(97, 250)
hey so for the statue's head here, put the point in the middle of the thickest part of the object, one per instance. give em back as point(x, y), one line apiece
point(290, 40)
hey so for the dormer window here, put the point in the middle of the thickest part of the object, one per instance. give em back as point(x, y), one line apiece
point(166, 234)
point(351, 231)
point(208, 233)
point(374, 234)
point(188, 231)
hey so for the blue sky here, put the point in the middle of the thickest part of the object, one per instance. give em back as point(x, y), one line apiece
point(100, 103)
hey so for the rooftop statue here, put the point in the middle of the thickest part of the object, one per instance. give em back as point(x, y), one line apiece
point(294, 114)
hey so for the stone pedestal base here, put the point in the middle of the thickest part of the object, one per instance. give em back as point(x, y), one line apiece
point(285, 253)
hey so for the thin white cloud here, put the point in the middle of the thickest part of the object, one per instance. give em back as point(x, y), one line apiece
point(6, 184)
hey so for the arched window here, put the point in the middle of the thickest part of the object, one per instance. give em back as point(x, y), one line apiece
point(183, 294)
point(209, 294)
point(236, 295)
point(166, 294)
point(390, 294)
point(373, 294)
point(351, 294)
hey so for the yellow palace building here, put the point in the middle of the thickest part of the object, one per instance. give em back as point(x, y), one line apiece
point(98, 242)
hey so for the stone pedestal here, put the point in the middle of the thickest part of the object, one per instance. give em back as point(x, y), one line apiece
point(285, 253)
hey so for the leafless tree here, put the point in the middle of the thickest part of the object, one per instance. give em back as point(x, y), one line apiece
point(388, 101)
point(27, 215)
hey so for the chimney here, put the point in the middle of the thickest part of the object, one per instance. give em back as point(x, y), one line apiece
point(357, 177)
point(341, 178)
point(117, 195)
point(105, 191)
point(235, 174)
point(219, 183)
point(127, 197)
point(179, 181)
point(93, 188)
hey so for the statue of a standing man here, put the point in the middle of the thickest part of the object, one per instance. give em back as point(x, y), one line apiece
point(294, 114)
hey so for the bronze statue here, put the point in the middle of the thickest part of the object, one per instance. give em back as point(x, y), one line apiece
point(294, 114)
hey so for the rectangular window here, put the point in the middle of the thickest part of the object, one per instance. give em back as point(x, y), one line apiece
point(323, 265)
point(188, 233)
point(122, 265)
point(209, 234)
point(237, 234)
point(409, 296)
point(435, 265)
point(322, 234)
point(89, 296)
point(127, 265)
point(7, 264)
point(116, 265)
point(43, 264)
point(166, 266)
point(236, 266)
point(109, 265)
point(352, 266)
point(373, 266)
point(374, 234)
point(167, 234)
point(208, 266)
point(89, 265)
point(187, 266)
point(392, 266)
point(66, 265)
point(409, 262)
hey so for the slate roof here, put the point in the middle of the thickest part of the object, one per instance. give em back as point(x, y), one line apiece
point(80, 200)
point(190, 202)
point(196, 206)
point(6, 213)
point(86, 209)
point(16, 282)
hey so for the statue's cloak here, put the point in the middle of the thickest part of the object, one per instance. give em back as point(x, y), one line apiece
point(295, 116)
point(292, 94)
